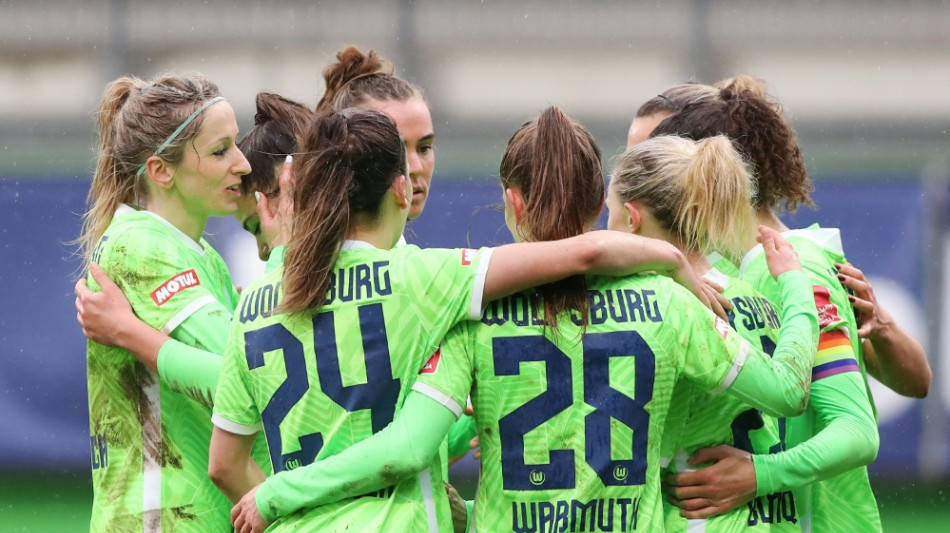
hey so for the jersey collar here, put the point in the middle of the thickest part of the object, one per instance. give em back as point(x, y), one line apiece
point(186, 240)
point(356, 245)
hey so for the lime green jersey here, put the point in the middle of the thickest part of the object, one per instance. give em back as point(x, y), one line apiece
point(149, 443)
point(318, 383)
point(698, 419)
point(845, 501)
point(723, 265)
point(569, 428)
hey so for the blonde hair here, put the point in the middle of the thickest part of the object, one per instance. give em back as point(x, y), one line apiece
point(699, 191)
point(133, 119)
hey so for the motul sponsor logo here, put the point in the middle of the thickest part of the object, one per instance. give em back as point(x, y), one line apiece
point(827, 311)
point(468, 255)
point(432, 365)
point(173, 286)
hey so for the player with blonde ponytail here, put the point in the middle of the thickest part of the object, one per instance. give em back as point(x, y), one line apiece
point(698, 195)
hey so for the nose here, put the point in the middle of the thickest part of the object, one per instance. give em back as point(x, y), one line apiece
point(415, 164)
point(241, 166)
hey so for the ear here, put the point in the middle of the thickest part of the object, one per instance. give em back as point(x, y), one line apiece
point(516, 201)
point(160, 172)
point(634, 216)
point(402, 191)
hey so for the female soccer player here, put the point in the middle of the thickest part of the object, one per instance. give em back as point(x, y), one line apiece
point(697, 195)
point(277, 124)
point(345, 292)
point(167, 162)
point(107, 317)
point(661, 106)
point(367, 81)
point(829, 446)
point(571, 382)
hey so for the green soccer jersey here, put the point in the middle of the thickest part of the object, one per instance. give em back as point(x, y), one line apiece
point(845, 501)
point(723, 265)
point(318, 383)
point(149, 443)
point(569, 428)
point(698, 419)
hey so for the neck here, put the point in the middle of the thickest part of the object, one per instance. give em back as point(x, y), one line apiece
point(189, 224)
point(768, 218)
point(380, 235)
point(698, 261)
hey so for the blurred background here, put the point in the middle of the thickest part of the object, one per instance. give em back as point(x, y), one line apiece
point(866, 85)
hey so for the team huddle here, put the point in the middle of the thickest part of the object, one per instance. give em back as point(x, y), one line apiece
point(697, 366)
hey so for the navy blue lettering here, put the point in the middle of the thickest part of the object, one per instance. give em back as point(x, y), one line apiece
point(598, 309)
point(613, 307)
point(364, 288)
point(633, 304)
point(652, 307)
point(524, 525)
point(519, 309)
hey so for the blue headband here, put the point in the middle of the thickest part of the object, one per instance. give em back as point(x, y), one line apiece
point(178, 131)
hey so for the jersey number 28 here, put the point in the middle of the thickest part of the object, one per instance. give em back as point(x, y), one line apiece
point(608, 403)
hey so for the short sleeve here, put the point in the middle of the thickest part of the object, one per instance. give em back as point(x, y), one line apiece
point(448, 285)
point(164, 282)
point(235, 410)
point(447, 375)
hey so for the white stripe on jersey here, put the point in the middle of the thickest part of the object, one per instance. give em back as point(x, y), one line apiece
point(425, 485)
point(733, 373)
point(478, 290)
point(151, 456)
point(439, 396)
point(234, 427)
point(186, 312)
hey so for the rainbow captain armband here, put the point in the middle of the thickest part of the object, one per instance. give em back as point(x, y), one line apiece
point(834, 355)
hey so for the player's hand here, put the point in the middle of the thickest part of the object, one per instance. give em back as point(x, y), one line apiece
point(715, 489)
point(717, 302)
point(779, 254)
point(245, 517)
point(285, 212)
point(459, 511)
point(872, 318)
point(101, 314)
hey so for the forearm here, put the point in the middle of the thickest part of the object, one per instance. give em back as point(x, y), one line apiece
point(898, 360)
point(848, 439)
point(515, 267)
point(402, 449)
point(230, 465)
point(191, 362)
point(779, 386)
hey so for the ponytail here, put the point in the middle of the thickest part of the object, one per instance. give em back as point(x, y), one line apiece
point(556, 165)
point(278, 125)
point(350, 160)
point(716, 210)
point(112, 184)
point(700, 192)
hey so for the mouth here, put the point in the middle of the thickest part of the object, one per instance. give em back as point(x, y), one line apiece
point(418, 193)
point(234, 189)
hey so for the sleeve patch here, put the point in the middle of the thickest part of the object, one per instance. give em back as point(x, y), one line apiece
point(827, 311)
point(468, 255)
point(174, 285)
point(432, 365)
point(722, 327)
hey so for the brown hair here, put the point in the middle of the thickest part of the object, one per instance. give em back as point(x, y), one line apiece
point(700, 192)
point(278, 124)
point(675, 98)
point(760, 134)
point(350, 160)
point(556, 164)
point(357, 77)
point(133, 119)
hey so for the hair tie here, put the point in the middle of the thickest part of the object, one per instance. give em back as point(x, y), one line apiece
point(177, 132)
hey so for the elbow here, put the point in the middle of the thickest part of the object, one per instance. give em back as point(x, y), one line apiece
point(219, 473)
point(867, 453)
point(921, 387)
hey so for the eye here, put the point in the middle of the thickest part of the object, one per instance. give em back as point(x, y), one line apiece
point(425, 149)
point(221, 152)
